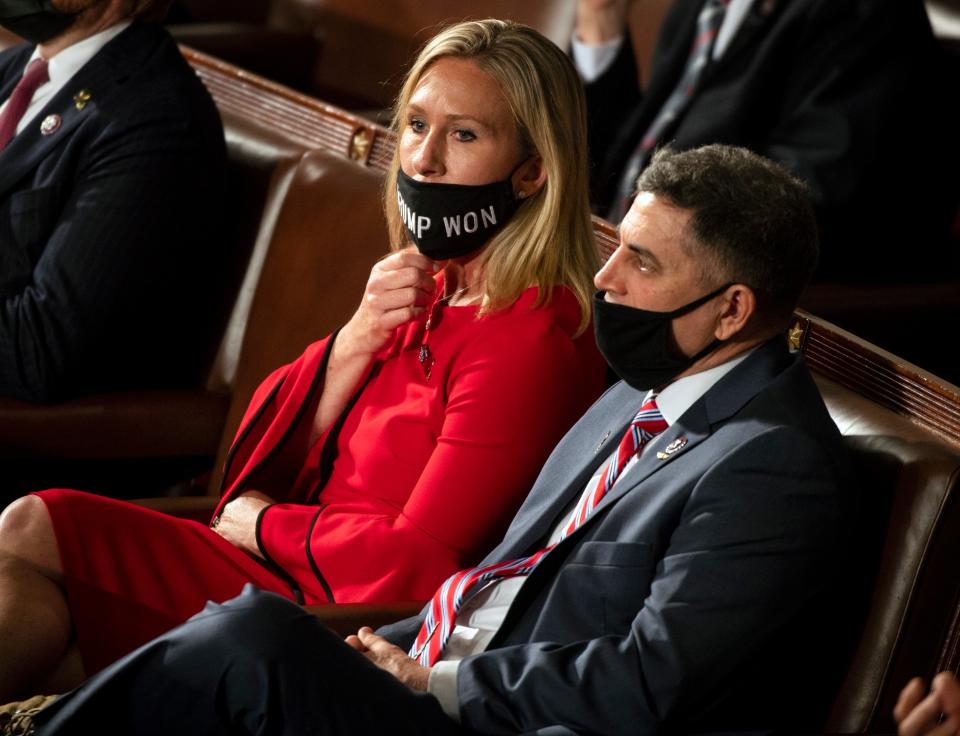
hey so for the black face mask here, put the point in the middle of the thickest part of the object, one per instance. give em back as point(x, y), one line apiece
point(635, 342)
point(451, 220)
point(34, 20)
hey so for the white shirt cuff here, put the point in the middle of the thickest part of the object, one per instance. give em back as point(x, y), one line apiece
point(593, 60)
point(442, 684)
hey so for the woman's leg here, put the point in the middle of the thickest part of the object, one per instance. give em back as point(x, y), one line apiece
point(35, 624)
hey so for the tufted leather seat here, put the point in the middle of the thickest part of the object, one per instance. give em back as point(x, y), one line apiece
point(328, 234)
point(911, 482)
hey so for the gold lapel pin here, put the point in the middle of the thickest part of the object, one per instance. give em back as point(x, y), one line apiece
point(82, 98)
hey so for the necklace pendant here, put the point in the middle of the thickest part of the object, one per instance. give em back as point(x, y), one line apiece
point(426, 360)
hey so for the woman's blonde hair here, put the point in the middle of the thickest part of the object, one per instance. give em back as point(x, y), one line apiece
point(549, 241)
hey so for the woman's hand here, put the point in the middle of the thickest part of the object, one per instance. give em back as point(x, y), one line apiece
point(400, 288)
point(238, 521)
point(918, 713)
point(599, 21)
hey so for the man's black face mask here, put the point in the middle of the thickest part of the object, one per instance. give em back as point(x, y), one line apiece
point(37, 21)
point(636, 342)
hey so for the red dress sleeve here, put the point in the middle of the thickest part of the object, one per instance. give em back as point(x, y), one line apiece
point(516, 388)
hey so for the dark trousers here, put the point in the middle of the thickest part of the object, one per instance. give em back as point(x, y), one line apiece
point(256, 664)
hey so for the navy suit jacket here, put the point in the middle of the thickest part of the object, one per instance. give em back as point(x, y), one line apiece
point(701, 595)
point(108, 240)
point(853, 96)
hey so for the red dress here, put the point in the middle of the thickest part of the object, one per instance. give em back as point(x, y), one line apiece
point(421, 479)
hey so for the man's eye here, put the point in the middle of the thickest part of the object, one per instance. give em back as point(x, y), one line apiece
point(464, 136)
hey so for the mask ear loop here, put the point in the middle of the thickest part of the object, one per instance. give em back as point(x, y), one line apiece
point(716, 342)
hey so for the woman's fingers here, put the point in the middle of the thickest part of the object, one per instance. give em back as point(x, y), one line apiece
point(910, 697)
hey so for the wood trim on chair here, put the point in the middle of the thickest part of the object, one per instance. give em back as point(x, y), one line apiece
point(305, 120)
point(900, 386)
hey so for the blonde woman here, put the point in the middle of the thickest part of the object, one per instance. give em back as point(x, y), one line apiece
point(393, 452)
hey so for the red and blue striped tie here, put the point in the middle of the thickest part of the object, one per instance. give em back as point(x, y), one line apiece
point(460, 587)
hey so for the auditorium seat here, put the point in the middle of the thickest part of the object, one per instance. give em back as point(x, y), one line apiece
point(139, 442)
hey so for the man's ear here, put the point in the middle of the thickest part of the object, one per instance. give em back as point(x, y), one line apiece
point(529, 178)
point(738, 306)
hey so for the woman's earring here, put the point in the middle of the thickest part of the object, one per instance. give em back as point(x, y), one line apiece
point(521, 194)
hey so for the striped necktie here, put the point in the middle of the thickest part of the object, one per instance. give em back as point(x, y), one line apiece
point(708, 25)
point(460, 587)
point(34, 76)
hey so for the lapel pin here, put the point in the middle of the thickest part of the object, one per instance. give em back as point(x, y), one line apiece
point(673, 448)
point(81, 98)
point(600, 444)
point(50, 124)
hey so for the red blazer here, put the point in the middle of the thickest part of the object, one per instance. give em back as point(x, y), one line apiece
point(425, 474)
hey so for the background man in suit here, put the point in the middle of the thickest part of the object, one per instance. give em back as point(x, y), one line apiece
point(665, 565)
point(852, 96)
point(111, 166)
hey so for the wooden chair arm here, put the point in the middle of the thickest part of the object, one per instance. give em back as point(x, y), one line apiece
point(196, 508)
point(346, 618)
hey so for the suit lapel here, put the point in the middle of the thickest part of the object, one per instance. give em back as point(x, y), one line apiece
point(725, 399)
point(98, 78)
point(685, 434)
point(585, 448)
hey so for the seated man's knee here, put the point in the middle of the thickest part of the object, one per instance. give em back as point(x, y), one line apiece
point(264, 625)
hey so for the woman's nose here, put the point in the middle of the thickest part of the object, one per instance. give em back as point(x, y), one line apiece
point(428, 157)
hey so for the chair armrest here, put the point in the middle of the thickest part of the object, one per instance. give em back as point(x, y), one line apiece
point(127, 424)
point(346, 618)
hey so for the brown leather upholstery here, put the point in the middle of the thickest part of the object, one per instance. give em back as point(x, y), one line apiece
point(908, 472)
point(329, 233)
point(903, 427)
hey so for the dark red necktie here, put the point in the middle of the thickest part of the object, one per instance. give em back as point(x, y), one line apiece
point(35, 75)
point(460, 587)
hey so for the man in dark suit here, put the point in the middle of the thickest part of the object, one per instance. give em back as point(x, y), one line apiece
point(673, 568)
point(852, 96)
point(110, 180)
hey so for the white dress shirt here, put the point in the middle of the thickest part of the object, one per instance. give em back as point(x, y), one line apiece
point(62, 67)
point(592, 60)
point(481, 616)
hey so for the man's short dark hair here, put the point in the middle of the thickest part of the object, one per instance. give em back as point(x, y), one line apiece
point(752, 221)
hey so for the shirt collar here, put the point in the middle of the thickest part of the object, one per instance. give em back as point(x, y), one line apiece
point(674, 400)
point(68, 62)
